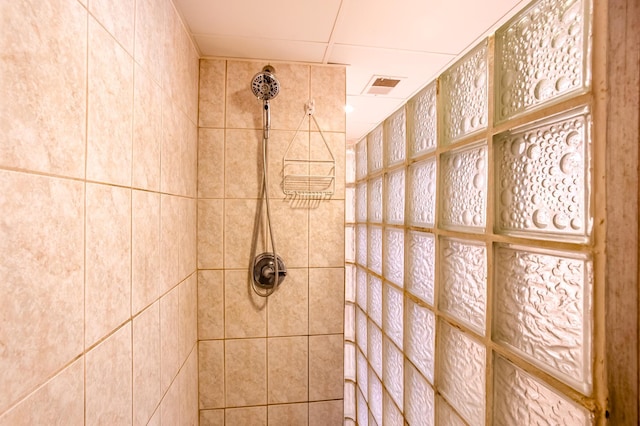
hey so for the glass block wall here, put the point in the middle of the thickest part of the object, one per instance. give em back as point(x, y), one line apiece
point(470, 254)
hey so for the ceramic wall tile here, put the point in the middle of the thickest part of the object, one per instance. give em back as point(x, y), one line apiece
point(149, 27)
point(61, 397)
point(147, 131)
point(110, 109)
point(210, 236)
point(145, 249)
point(169, 338)
point(212, 93)
point(288, 414)
point(326, 234)
point(210, 305)
point(170, 405)
point(325, 367)
point(288, 306)
point(211, 417)
point(243, 163)
point(169, 241)
point(245, 312)
point(239, 232)
point(291, 233)
point(328, 91)
point(108, 390)
point(326, 300)
point(41, 279)
point(188, 322)
point(326, 413)
point(108, 260)
point(245, 373)
point(211, 160)
point(256, 416)
point(117, 18)
point(37, 134)
point(146, 364)
point(287, 369)
point(188, 378)
point(211, 383)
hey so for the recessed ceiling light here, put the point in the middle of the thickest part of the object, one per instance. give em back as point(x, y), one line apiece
point(348, 108)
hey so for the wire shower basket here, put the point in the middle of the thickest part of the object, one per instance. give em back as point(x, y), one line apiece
point(312, 178)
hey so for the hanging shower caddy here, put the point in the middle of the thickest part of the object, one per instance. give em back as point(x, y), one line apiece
point(312, 178)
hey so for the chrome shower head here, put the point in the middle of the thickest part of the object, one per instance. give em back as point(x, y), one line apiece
point(265, 86)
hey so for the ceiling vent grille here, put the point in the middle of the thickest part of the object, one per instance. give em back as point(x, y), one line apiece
point(381, 85)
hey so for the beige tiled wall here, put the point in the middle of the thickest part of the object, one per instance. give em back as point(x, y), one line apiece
point(275, 361)
point(98, 180)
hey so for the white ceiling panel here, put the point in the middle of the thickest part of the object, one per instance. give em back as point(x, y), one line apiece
point(422, 25)
point(260, 48)
point(368, 111)
point(277, 19)
point(415, 68)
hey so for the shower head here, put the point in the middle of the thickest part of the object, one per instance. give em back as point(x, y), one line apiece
point(265, 85)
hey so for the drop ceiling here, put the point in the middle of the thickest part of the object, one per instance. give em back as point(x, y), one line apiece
point(410, 40)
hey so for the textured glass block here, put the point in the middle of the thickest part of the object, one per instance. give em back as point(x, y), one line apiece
point(542, 55)
point(394, 256)
point(392, 415)
point(543, 175)
point(463, 281)
point(361, 202)
point(361, 288)
point(375, 200)
point(421, 259)
point(349, 361)
point(349, 401)
point(395, 197)
point(375, 348)
point(362, 409)
point(362, 374)
point(350, 164)
point(542, 309)
point(361, 245)
point(421, 193)
point(519, 398)
point(446, 415)
point(374, 149)
point(421, 332)
point(464, 89)
point(361, 159)
point(461, 373)
point(392, 322)
point(361, 330)
point(349, 244)
point(375, 397)
point(350, 283)
point(375, 299)
point(375, 249)
point(393, 373)
point(350, 204)
point(350, 322)
point(464, 188)
point(419, 401)
point(421, 121)
point(396, 136)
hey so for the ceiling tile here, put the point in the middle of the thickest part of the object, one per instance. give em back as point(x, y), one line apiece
point(368, 112)
point(428, 26)
point(259, 48)
point(415, 69)
point(276, 19)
